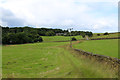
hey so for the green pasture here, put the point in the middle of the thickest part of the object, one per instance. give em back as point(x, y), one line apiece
point(103, 47)
point(59, 38)
point(49, 60)
point(67, 38)
point(106, 36)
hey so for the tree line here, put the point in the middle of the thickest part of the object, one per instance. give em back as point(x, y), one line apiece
point(20, 35)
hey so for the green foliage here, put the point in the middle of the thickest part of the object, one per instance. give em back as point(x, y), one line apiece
point(19, 35)
point(42, 31)
point(75, 33)
point(89, 34)
point(20, 38)
point(50, 33)
point(39, 39)
point(10, 38)
point(98, 34)
point(74, 39)
point(83, 35)
point(106, 33)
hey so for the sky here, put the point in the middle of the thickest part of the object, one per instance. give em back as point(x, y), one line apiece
point(88, 15)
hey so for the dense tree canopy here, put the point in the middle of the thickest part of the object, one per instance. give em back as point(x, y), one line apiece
point(20, 35)
point(50, 33)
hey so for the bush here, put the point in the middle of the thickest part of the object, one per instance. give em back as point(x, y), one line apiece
point(74, 39)
point(106, 33)
point(98, 34)
point(39, 39)
point(89, 34)
point(83, 35)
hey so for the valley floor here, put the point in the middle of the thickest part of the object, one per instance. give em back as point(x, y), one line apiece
point(50, 60)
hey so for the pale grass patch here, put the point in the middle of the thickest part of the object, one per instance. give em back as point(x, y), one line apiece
point(49, 71)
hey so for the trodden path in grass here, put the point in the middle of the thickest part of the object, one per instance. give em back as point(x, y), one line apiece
point(50, 60)
point(86, 68)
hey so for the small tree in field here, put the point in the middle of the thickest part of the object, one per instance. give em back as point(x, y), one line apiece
point(74, 39)
point(98, 34)
point(83, 35)
point(39, 39)
point(89, 34)
point(106, 33)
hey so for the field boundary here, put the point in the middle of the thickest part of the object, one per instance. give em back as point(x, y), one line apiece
point(85, 39)
point(105, 38)
point(114, 62)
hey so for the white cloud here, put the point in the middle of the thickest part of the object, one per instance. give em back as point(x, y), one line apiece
point(97, 0)
point(62, 13)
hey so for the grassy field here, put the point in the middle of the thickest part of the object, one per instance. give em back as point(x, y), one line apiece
point(103, 47)
point(59, 38)
point(67, 38)
point(106, 36)
point(49, 60)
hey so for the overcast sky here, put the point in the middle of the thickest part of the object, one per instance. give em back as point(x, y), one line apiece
point(93, 15)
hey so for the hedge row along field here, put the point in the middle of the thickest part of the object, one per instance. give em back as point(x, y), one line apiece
point(102, 47)
point(49, 60)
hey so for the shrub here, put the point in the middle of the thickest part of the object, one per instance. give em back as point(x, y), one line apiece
point(74, 39)
point(98, 34)
point(106, 33)
point(89, 34)
point(83, 35)
point(39, 39)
